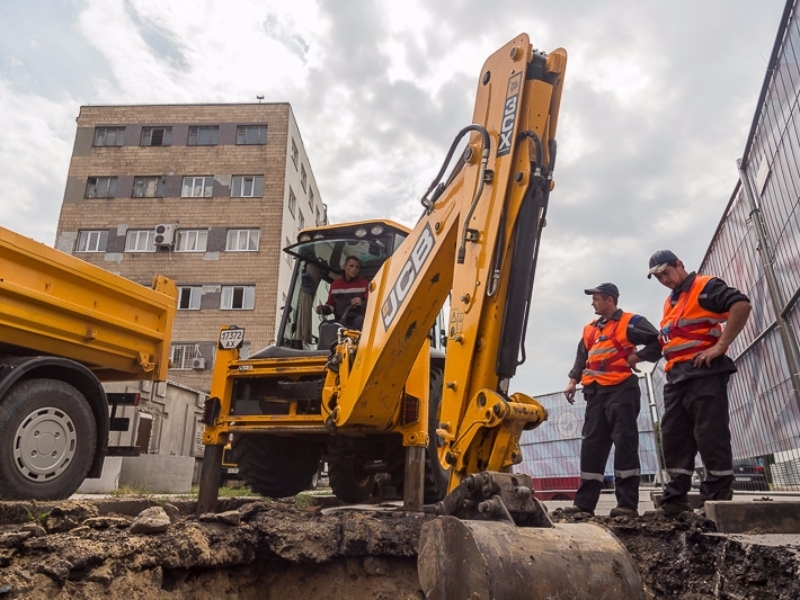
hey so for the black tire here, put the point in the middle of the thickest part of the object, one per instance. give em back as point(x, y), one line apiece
point(348, 485)
point(48, 438)
point(436, 476)
point(276, 466)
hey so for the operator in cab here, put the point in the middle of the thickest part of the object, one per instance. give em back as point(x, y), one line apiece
point(347, 297)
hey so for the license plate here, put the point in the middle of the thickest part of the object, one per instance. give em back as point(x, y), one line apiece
point(743, 478)
point(231, 338)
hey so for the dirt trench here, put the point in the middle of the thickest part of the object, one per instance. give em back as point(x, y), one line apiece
point(269, 550)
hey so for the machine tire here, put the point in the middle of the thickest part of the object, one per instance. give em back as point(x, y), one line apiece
point(274, 466)
point(347, 483)
point(48, 442)
point(436, 476)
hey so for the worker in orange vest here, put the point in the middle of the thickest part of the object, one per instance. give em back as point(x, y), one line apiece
point(694, 344)
point(604, 364)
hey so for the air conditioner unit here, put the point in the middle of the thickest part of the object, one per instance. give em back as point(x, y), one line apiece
point(199, 363)
point(165, 234)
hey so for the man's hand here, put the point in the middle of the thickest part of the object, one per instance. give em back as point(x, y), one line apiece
point(569, 393)
point(709, 354)
point(356, 301)
point(633, 360)
point(321, 309)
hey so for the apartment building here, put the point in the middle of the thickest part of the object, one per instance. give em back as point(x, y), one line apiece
point(207, 195)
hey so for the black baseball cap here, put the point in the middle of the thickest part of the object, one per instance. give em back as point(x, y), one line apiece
point(659, 261)
point(609, 289)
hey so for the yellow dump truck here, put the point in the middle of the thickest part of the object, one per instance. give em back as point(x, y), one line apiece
point(65, 327)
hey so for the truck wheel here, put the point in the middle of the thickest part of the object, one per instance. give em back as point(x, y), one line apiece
point(350, 486)
point(276, 466)
point(48, 440)
point(436, 476)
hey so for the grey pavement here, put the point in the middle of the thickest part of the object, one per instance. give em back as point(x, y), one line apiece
point(608, 500)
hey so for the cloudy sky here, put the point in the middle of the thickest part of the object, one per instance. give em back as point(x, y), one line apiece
point(658, 100)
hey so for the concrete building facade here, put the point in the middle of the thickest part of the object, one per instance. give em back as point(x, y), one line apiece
point(207, 195)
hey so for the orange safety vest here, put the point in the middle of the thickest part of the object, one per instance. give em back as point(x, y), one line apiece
point(608, 348)
point(687, 328)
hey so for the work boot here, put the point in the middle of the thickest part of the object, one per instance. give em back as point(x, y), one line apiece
point(623, 511)
point(674, 508)
point(576, 510)
point(726, 494)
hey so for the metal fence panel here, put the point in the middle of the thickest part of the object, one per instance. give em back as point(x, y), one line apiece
point(551, 452)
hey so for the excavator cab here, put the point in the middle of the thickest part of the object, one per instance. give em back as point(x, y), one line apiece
point(320, 255)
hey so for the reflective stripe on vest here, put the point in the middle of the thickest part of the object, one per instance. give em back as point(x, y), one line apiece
point(607, 350)
point(687, 328)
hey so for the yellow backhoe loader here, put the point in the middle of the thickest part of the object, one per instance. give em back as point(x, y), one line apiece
point(386, 400)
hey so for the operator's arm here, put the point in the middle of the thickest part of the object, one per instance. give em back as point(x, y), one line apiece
point(642, 333)
point(575, 373)
point(328, 307)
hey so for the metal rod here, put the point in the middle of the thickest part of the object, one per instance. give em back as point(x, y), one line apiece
point(414, 484)
point(651, 402)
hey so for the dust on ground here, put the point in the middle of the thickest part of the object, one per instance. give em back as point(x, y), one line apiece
point(261, 549)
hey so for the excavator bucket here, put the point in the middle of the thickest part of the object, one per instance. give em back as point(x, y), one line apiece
point(489, 559)
point(494, 540)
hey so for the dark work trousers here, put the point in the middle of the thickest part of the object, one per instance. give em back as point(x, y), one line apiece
point(696, 419)
point(610, 419)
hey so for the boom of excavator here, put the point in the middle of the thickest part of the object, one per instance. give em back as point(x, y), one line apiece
point(385, 400)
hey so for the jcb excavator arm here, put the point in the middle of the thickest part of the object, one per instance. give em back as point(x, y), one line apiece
point(477, 243)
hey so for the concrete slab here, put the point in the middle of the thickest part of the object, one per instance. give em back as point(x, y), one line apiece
point(158, 474)
point(759, 516)
point(107, 482)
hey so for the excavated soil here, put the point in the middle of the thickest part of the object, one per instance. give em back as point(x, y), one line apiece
point(122, 550)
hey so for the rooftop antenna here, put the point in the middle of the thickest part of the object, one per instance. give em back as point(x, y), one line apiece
point(259, 98)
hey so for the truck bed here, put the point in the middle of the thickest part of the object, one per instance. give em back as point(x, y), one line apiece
point(54, 303)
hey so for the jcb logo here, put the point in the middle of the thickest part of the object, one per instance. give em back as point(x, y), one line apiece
point(509, 114)
point(408, 275)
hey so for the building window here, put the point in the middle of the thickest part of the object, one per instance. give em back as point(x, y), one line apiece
point(92, 241)
point(197, 187)
point(156, 136)
point(203, 135)
point(182, 355)
point(189, 297)
point(238, 297)
point(242, 240)
point(316, 219)
point(301, 221)
point(288, 258)
point(311, 197)
point(292, 201)
point(140, 240)
point(303, 177)
point(247, 186)
point(148, 187)
point(294, 153)
point(251, 134)
point(109, 136)
point(101, 187)
point(192, 240)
